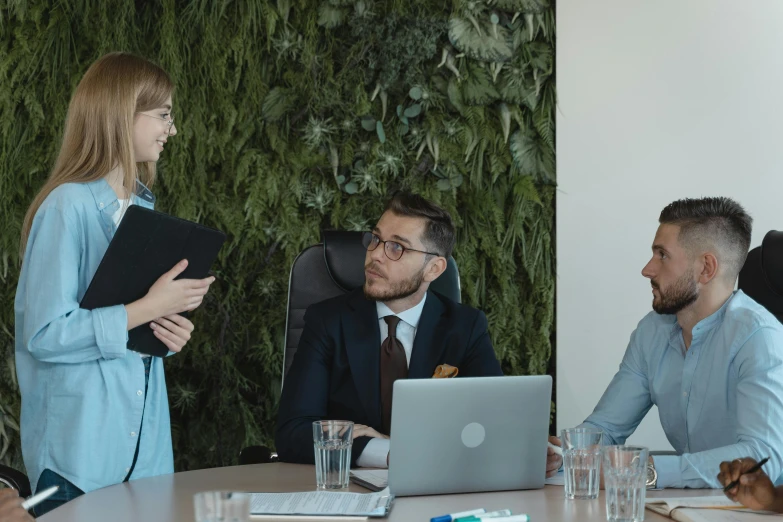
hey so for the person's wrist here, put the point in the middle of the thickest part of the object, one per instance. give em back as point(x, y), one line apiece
point(777, 500)
point(652, 474)
point(140, 312)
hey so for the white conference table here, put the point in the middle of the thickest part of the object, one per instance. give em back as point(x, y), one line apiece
point(169, 498)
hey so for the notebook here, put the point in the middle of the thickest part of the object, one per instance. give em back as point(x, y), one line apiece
point(148, 244)
point(372, 479)
point(706, 509)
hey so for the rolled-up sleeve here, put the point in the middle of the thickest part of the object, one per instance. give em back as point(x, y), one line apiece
point(55, 328)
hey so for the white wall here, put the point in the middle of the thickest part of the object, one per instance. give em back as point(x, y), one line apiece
point(659, 100)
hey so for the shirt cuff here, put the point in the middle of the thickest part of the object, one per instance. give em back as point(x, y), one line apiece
point(668, 469)
point(375, 454)
point(111, 331)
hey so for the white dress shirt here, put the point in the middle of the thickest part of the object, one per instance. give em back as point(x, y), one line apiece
point(376, 451)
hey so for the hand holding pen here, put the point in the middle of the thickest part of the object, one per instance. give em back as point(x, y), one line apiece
point(745, 482)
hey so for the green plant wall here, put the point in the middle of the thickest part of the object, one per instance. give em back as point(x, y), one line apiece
point(295, 115)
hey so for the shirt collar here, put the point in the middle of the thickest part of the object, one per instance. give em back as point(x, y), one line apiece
point(706, 324)
point(411, 316)
point(105, 197)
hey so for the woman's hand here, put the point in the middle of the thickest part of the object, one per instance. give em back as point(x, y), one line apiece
point(168, 297)
point(173, 330)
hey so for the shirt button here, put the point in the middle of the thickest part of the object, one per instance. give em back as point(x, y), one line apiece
point(684, 394)
point(127, 470)
point(133, 434)
point(100, 205)
point(139, 393)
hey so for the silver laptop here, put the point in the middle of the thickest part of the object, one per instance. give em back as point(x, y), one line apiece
point(469, 434)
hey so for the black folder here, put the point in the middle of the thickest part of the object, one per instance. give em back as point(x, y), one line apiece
point(148, 244)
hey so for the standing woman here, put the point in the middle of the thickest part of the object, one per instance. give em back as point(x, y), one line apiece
point(94, 413)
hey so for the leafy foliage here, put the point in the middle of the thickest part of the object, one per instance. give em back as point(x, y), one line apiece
point(293, 117)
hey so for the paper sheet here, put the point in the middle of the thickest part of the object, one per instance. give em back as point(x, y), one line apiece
point(320, 503)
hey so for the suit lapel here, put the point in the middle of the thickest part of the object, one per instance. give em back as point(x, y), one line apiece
point(363, 346)
point(428, 345)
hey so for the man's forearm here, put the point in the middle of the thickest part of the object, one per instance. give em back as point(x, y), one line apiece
point(294, 442)
point(698, 470)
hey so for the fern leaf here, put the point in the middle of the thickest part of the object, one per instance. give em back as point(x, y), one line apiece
point(482, 45)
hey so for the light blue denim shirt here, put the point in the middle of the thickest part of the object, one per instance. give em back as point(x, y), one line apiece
point(82, 390)
point(721, 399)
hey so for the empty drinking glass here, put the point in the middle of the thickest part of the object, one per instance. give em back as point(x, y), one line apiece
point(625, 480)
point(332, 442)
point(221, 506)
point(582, 462)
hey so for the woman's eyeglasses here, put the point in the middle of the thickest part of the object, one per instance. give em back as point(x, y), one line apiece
point(169, 121)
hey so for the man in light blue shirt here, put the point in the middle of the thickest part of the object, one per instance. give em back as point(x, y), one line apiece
point(710, 358)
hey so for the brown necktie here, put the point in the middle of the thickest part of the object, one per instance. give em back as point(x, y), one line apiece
point(394, 366)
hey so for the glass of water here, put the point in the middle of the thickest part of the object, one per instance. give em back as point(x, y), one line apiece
point(221, 506)
point(332, 442)
point(625, 480)
point(582, 462)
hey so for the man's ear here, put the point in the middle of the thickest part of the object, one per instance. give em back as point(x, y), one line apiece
point(435, 267)
point(709, 268)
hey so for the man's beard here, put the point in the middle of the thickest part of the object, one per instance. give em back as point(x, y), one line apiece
point(682, 293)
point(398, 290)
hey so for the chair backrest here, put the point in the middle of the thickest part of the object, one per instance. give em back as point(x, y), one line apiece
point(331, 268)
point(761, 276)
point(15, 479)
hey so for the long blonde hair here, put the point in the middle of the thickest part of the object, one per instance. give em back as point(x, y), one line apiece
point(98, 134)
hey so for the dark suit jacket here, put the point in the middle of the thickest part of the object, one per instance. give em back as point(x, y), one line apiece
point(335, 373)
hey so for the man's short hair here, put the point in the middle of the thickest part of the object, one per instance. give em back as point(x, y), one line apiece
point(717, 224)
point(439, 229)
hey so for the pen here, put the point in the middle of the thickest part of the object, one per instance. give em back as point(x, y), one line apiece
point(513, 518)
point(39, 497)
point(455, 516)
point(481, 516)
point(492, 514)
point(556, 449)
point(755, 468)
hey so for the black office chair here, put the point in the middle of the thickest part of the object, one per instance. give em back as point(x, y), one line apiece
point(761, 277)
point(331, 268)
point(328, 269)
point(15, 479)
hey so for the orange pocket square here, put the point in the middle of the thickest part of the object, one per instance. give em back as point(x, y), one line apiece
point(445, 371)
